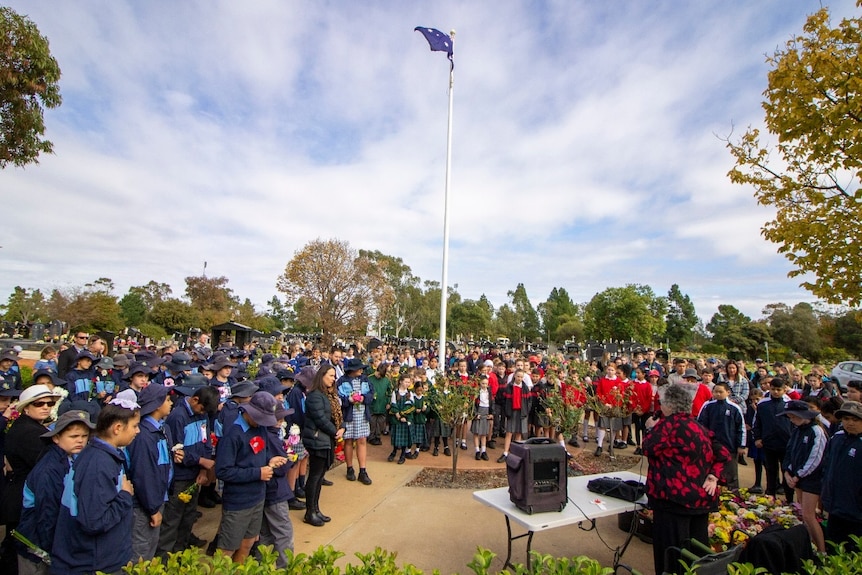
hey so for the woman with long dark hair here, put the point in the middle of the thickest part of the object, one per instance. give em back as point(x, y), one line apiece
point(323, 427)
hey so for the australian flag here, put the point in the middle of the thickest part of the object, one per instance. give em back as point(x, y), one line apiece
point(438, 41)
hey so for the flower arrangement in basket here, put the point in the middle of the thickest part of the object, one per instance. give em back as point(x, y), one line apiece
point(742, 515)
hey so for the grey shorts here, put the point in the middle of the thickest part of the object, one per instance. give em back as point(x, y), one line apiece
point(238, 525)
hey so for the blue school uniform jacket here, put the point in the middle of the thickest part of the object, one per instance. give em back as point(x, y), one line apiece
point(239, 456)
point(842, 489)
point(345, 390)
point(151, 467)
point(193, 431)
point(726, 421)
point(79, 382)
point(94, 524)
point(226, 416)
point(42, 492)
point(774, 431)
point(277, 488)
point(805, 450)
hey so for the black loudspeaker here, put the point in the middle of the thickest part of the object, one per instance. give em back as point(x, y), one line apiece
point(536, 470)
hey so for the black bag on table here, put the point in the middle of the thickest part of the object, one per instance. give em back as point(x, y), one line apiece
point(617, 488)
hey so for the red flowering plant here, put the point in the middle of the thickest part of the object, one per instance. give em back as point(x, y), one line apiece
point(565, 398)
point(615, 403)
point(454, 402)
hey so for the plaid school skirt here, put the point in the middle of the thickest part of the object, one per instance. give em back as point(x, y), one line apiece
point(401, 434)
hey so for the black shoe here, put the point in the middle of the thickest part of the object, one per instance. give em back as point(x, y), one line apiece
point(446, 451)
point(436, 452)
point(639, 451)
point(375, 441)
point(195, 541)
point(780, 490)
point(492, 444)
point(414, 455)
point(299, 492)
point(425, 448)
point(574, 442)
point(401, 460)
point(756, 489)
point(478, 455)
point(598, 452)
point(741, 460)
point(213, 546)
point(484, 456)
point(386, 432)
point(312, 519)
point(326, 482)
point(502, 458)
point(630, 441)
point(215, 497)
point(324, 518)
point(296, 505)
point(206, 502)
point(363, 478)
point(464, 445)
point(351, 474)
point(392, 457)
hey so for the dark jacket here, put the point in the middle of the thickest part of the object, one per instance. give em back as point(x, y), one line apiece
point(805, 451)
point(42, 492)
point(726, 421)
point(151, 466)
point(24, 445)
point(277, 489)
point(80, 383)
point(66, 360)
point(842, 490)
point(681, 453)
point(774, 431)
point(94, 526)
point(345, 390)
point(296, 401)
point(319, 431)
point(526, 400)
point(239, 456)
point(193, 431)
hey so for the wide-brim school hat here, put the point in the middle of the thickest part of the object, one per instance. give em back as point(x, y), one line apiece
point(262, 408)
point(191, 383)
point(305, 376)
point(7, 390)
point(354, 364)
point(69, 418)
point(47, 372)
point(851, 408)
point(799, 409)
point(271, 384)
point(243, 389)
point(180, 361)
point(139, 367)
point(152, 397)
point(9, 354)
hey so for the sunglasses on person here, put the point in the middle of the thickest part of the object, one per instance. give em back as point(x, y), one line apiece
point(44, 403)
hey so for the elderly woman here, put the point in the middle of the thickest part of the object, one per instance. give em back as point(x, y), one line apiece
point(685, 463)
point(24, 446)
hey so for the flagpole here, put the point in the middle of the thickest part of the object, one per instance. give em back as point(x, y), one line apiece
point(441, 352)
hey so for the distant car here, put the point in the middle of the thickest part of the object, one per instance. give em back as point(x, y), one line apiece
point(845, 371)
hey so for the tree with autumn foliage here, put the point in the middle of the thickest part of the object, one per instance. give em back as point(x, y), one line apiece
point(341, 291)
point(812, 172)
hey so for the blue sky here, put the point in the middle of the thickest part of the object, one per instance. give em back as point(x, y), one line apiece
point(587, 144)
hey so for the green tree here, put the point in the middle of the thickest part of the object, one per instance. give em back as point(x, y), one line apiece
point(733, 330)
point(25, 306)
point(401, 281)
point(213, 301)
point(528, 328)
point(507, 323)
point(133, 310)
point(557, 310)
point(681, 318)
point(174, 315)
point(469, 319)
point(797, 328)
point(29, 78)
point(812, 176)
point(630, 313)
point(152, 293)
point(848, 333)
point(276, 312)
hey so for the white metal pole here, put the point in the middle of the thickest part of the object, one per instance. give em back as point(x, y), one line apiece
point(441, 352)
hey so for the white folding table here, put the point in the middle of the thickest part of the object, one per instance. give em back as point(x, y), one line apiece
point(583, 505)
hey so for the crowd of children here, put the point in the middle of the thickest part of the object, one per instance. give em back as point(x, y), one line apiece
point(168, 428)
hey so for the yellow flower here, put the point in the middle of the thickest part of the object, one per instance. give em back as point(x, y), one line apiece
point(184, 497)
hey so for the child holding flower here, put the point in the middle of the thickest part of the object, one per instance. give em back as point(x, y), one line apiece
point(356, 396)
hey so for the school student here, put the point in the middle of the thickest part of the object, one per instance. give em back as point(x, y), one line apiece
point(726, 421)
point(771, 434)
point(44, 487)
point(151, 469)
point(803, 464)
point(94, 523)
point(242, 464)
point(841, 472)
point(79, 380)
point(277, 528)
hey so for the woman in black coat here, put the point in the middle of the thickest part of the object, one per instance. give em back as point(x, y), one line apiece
point(323, 427)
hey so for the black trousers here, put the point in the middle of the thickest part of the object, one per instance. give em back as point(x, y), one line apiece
point(839, 530)
point(672, 530)
point(772, 459)
point(318, 464)
point(178, 518)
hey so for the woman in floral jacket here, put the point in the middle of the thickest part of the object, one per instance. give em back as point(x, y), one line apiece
point(685, 463)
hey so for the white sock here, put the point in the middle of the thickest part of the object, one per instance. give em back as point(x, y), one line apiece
point(600, 436)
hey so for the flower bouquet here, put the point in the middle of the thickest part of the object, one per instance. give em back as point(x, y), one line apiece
point(742, 515)
point(186, 496)
point(616, 403)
